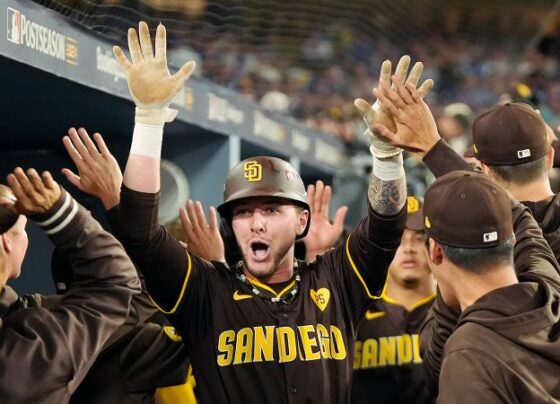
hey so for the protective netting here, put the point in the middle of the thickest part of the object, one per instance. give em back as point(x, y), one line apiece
point(311, 58)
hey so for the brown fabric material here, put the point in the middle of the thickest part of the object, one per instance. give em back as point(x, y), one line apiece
point(442, 159)
point(547, 215)
point(510, 134)
point(502, 351)
point(64, 339)
point(467, 210)
point(534, 262)
point(208, 308)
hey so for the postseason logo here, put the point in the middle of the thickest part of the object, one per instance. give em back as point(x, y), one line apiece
point(23, 31)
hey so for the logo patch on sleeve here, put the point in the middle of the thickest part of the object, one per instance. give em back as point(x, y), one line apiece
point(320, 297)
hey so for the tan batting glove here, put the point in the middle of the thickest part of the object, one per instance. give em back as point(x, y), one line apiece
point(372, 114)
point(151, 85)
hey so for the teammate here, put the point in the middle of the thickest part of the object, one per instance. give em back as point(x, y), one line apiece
point(145, 353)
point(504, 346)
point(387, 363)
point(46, 351)
point(271, 329)
point(416, 130)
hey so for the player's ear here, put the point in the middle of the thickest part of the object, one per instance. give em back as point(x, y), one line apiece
point(6, 243)
point(435, 252)
point(303, 218)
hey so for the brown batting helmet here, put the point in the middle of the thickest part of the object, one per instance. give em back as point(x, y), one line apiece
point(263, 176)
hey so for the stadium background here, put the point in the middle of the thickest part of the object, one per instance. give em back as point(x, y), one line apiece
point(273, 77)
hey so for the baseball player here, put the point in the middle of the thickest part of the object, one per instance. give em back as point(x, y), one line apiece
point(387, 363)
point(416, 130)
point(504, 344)
point(270, 329)
point(46, 351)
point(145, 353)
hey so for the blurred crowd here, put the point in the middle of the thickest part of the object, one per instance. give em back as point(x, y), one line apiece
point(334, 69)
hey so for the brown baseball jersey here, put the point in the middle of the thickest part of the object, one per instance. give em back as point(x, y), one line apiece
point(130, 370)
point(246, 348)
point(46, 351)
point(387, 363)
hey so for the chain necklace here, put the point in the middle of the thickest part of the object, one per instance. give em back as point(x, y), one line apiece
point(286, 299)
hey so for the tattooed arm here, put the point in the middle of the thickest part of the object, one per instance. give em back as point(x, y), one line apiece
point(387, 186)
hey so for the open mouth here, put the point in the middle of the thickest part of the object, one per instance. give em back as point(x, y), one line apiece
point(259, 250)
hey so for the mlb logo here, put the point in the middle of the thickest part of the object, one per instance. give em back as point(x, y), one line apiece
point(489, 237)
point(523, 154)
point(14, 26)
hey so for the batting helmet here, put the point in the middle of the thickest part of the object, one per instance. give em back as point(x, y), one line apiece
point(263, 176)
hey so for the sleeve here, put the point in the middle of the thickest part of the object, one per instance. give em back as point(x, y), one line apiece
point(154, 357)
point(112, 216)
point(177, 281)
point(360, 265)
point(63, 341)
point(436, 329)
point(533, 257)
point(469, 376)
point(442, 159)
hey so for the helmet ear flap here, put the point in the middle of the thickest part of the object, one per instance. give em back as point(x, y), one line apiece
point(232, 252)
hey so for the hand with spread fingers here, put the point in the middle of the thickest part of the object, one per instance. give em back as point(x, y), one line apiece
point(203, 237)
point(35, 194)
point(323, 234)
point(415, 129)
point(378, 114)
point(99, 173)
point(151, 85)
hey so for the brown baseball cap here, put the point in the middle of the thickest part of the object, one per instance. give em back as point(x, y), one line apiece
point(8, 216)
point(415, 218)
point(467, 210)
point(510, 134)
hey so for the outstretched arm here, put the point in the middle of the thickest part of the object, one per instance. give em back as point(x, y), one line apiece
point(387, 189)
point(67, 337)
point(152, 87)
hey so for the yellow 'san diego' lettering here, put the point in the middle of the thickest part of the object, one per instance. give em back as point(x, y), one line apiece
point(280, 344)
point(398, 350)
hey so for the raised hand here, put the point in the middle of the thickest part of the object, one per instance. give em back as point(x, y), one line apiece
point(415, 128)
point(149, 81)
point(203, 237)
point(98, 171)
point(378, 114)
point(322, 234)
point(35, 194)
